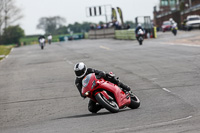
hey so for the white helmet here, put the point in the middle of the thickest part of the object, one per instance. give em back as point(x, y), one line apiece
point(80, 69)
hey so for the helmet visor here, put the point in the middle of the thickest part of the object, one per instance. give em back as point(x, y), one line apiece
point(80, 73)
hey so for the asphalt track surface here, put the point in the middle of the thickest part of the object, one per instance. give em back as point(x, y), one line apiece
point(38, 95)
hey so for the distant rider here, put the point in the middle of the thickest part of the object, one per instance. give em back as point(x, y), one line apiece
point(139, 26)
point(81, 71)
point(41, 37)
point(49, 38)
point(173, 23)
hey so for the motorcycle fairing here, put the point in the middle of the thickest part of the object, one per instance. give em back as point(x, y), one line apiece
point(121, 98)
point(93, 85)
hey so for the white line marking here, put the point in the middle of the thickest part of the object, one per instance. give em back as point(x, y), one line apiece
point(168, 122)
point(183, 44)
point(166, 90)
point(147, 126)
point(107, 48)
point(181, 119)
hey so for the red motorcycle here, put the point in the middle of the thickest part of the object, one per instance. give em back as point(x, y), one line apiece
point(107, 94)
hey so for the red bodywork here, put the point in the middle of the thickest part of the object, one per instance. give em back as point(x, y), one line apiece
point(93, 86)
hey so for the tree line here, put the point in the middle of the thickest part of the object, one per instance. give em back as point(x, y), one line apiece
point(55, 25)
point(9, 14)
point(11, 34)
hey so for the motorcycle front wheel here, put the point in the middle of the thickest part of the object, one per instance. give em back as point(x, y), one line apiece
point(175, 32)
point(42, 46)
point(108, 104)
point(135, 102)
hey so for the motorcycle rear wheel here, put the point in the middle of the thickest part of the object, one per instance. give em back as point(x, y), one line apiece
point(109, 105)
point(135, 102)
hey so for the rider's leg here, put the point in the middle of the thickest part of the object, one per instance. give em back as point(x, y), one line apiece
point(93, 107)
point(124, 87)
point(120, 84)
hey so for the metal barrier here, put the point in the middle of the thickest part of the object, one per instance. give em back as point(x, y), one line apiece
point(118, 34)
point(101, 33)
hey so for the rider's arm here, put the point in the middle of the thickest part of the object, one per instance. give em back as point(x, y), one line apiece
point(137, 29)
point(106, 76)
point(78, 84)
point(97, 72)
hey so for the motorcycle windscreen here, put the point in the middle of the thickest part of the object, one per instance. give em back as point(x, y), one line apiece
point(86, 80)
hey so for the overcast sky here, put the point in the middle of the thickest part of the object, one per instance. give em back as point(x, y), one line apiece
point(75, 11)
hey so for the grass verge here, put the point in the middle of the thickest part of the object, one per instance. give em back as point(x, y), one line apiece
point(5, 50)
point(33, 39)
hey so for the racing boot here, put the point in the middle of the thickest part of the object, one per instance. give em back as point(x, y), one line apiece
point(131, 93)
point(93, 107)
point(124, 87)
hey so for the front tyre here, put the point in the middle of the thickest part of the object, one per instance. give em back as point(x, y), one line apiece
point(108, 104)
point(140, 40)
point(42, 46)
point(135, 102)
point(174, 32)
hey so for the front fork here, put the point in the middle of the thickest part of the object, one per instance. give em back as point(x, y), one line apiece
point(105, 94)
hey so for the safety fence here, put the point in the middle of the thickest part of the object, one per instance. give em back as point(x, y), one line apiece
point(101, 33)
point(120, 34)
point(125, 34)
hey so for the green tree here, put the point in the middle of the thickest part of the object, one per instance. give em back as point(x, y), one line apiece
point(86, 26)
point(9, 14)
point(12, 34)
point(50, 24)
point(131, 23)
point(61, 30)
point(101, 22)
point(77, 27)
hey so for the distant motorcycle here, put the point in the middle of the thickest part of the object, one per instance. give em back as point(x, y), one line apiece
point(49, 41)
point(42, 43)
point(140, 36)
point(174, 29)
point(107, 94)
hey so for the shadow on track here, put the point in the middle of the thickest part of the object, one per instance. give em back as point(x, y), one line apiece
point(83, 115)
point(88, 115)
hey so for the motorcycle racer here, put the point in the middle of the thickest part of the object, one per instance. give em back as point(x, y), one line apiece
point(139, 26)
point(49, 38)
point(41, 37)
point(81, 71)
